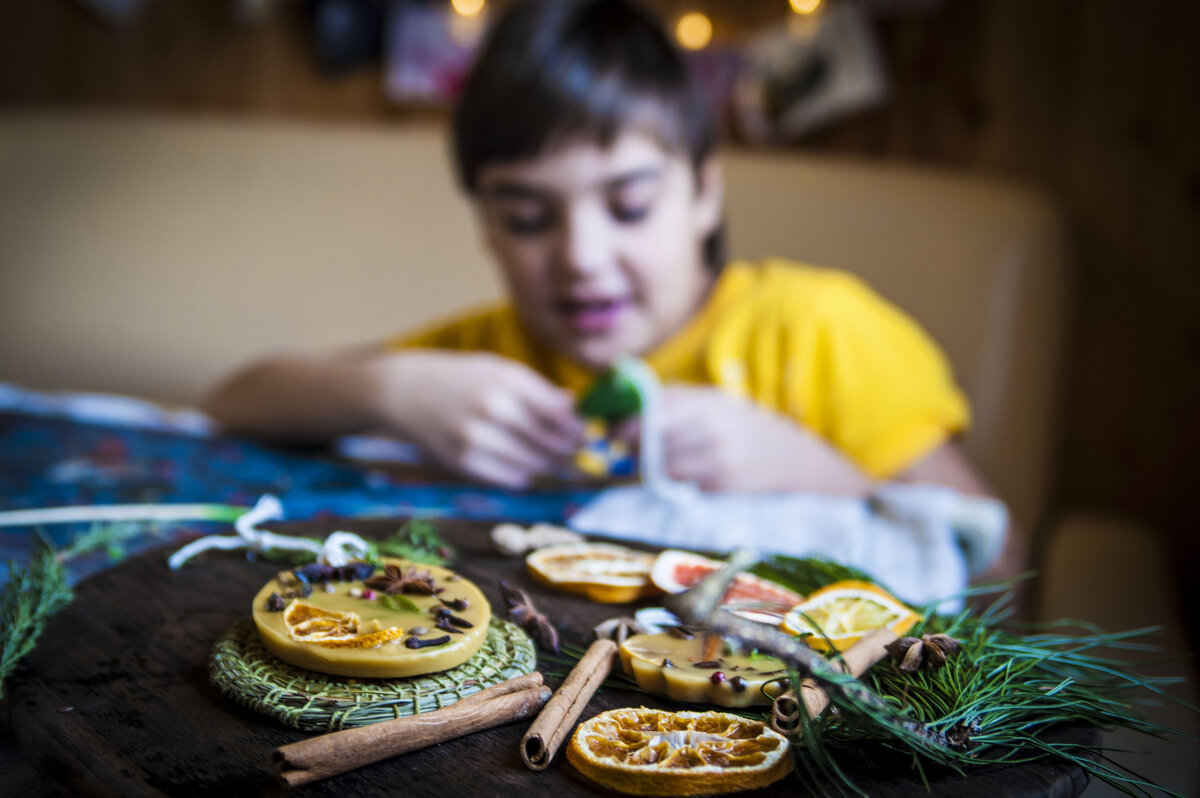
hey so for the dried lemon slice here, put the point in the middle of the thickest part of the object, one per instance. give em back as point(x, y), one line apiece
point(601, 571)
point(838, 615)
point(652, 752)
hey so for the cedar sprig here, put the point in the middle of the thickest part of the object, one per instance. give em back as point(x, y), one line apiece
point(419, 541)
point(33, 593)
point(110, 538)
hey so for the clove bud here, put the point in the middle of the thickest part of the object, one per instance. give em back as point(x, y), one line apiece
point(416, 642)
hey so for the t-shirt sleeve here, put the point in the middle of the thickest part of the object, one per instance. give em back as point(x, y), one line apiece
point(891, 397)
point(471, 331)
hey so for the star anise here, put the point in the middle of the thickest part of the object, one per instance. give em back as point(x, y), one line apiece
point(393, 580)
point(926, 651)
point(520, 610)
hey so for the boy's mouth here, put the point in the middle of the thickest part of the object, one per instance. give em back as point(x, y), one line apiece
point(592, 316)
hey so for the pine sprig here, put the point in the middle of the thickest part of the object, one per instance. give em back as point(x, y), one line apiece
point(30, 597)
point(805, 574)
point(1001, 694)
point(993, 703)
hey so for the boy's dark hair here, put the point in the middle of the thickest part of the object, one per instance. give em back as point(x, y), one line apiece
point(553, 70)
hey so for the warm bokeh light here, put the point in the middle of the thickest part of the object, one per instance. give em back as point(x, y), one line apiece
point(694, 30)
point(805, 6)
point(467, 8)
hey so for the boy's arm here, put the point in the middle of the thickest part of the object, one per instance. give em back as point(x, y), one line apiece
point(948, 465)
point(298, 397)
point(480, 414)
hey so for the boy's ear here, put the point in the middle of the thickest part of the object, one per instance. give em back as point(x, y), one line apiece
point(710, 196)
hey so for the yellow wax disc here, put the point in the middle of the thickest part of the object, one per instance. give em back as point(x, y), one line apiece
point(345, 632)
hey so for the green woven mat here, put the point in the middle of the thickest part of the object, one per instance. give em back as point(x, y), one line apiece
point(313, 702)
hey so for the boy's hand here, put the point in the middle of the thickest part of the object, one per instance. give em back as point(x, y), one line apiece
point(483, 415)
point(725, 443)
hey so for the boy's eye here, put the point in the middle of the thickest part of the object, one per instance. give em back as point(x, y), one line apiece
point(527, 224)
point(524, 217)
point(629, 213)
point(633, 200)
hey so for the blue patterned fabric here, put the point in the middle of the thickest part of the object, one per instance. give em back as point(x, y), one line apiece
point(54, 455)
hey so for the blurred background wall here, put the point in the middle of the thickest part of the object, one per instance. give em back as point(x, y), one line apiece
point(1096, 103)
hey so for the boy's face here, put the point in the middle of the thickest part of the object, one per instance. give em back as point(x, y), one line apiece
point(601, 248)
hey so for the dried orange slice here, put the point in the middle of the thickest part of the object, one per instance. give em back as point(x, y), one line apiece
point(365, 641)
point(308, 623)
point(838, 615)
point(601, 571)
point(653, 752)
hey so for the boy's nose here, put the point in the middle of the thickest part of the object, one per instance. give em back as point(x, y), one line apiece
point(585, 242)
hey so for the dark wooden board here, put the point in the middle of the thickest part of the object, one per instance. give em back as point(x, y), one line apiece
point(116, 698)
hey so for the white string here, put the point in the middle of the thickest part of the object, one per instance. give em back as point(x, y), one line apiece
point(338, 549)
point(651, 458)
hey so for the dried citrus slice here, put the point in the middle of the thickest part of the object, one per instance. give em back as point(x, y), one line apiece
point(689, 669)
point(652, 752)
point(838, 615)
point(748, 595)
point(601, 571)
point(308, 623)
point(365, 641)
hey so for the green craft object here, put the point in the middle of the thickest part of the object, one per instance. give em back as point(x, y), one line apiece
point(612, 397)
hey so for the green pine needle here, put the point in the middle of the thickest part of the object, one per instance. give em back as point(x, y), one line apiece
point(805, 574)
point(1002, 691)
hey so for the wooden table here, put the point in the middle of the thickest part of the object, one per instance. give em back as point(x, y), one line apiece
point(116, 698)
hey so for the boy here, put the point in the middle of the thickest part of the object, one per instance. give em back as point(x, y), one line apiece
point(589, 154)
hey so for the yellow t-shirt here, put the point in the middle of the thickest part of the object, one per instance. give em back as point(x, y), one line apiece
point(814, 344)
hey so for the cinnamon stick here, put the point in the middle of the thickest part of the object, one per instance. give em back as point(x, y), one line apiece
point(339, 752)
point(856, 661)
point(554, 723)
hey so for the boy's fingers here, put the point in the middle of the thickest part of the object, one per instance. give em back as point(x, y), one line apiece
point(692, 469)
point(530, 428)
point(552, 439)
point(545, 416)
point(685, 434)
point(500, 457)
point(554, 409)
